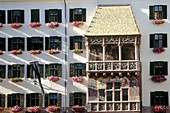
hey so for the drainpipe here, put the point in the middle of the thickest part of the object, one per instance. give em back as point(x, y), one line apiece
point(66, 54)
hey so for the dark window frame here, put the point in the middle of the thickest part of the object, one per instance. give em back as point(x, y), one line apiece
point(30, 73)
point(35, 43)
point(161, 14)
point(164, 40)
point(159, 98)
point(53, 44)
point(78, 98)
point(78, 14)
point(80, 40)
point(16, 43)
point(16, 16)
point(161, 66)
point(50, 70)
point(35, 17)
point(2, 44)
point(17, 69)
point(2, 17)
point(15, 99)
point(2, 71)
point(56, 14)
point(33, 99)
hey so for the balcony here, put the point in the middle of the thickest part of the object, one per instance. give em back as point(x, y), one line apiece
point(110, 66)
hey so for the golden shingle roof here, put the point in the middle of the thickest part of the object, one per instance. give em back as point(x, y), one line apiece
point(113, 20)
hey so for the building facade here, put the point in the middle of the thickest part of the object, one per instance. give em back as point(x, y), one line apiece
point(108, 55)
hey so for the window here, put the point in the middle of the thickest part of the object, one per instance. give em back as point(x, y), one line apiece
point(109, 85)
point(77, 99)
point(96, 53)
point(101, 95)
point(35, 15)
point(15, 16)
point(77, 69)
point(35, 43)
point(15, 99)
point(2, 71)
point(78, 14)
point(53, 15)
point(125, 94)
point(109, 96)
point(31, 74)
point(2, 98)
point(53, 99)
point(157, 68)
point(53, 43)
point(15, 71)
point(117, 85)
point(53, 69)
point(2, 16)
point(117, 95)
point(128, 52)
point(77, 42)
point(158, 40)
point(158, 12)
point(2, 44)
point(16, 43)
point(33, 99)
point(159, 98)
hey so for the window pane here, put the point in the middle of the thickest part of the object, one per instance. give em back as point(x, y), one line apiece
point(160, 8)
point(101, 107)
point(101, 94)
point(117, 95)
point(125, 95)
point(109, 85)
point(117, 85)
point(156, 8)
point(109, 96)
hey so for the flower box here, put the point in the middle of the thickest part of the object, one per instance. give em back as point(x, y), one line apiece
point(53, 78)
point(77, 79)
point(53, 51)
point(77, 51)
point(77, 23)
point(77, 108)
point(15, 109)
point(159, 108)
point(16, 80)
point(35, 52)
point(158, 50)
point(1, 25)
point(158, 78)
point(158, 21)
point(1, 52)
point(52, 24)
point(34, 109)
point(52, 109)
point(16, 52)
point(35, 24)
point(15, 25)
point(1, 109)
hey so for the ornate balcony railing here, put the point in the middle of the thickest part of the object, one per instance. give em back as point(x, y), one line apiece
point(129, 65)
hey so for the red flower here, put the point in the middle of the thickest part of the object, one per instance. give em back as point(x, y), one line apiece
point(158, 50)
point(158, 21)
point(15, 25)
point(52, 24)
point(77, 23)
point(35, 24)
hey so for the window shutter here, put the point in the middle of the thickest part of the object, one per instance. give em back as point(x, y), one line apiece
point(41, 69)
point(46, 100)
point(40, 100)
point(2, 100)
point(165, 66)
point(9, 44)
point(84, 15)
point(22, 16)
point(71, 43)
point(84, 69)
point(10, 72)
point(23, 43)
point(3, 44)
point(152, 41)
point(164, 40)
point(29, 43)
point(152, 97)
point(71, 99)
point(47, 70)
point(3, 71)
point(59, 44)
point(28, 100)
point(152, 66)
point(71, 70)
point(166, 99)
point(29, 71)
point(41, 43)
point(3, 16)
point(22, 100)
point(59, 16)
point(59, 98)
point(164, 12)
point(35, 15)
point(83, 99)
point(9, 16)
point(47, 43)
point(59, 70)
point(47, 14)
point(71, 15)
point(21, 70)
point(9, 100)
point(151, 15)
point(83, 43)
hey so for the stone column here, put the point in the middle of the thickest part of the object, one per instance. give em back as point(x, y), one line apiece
point(104, 48)
point(87, 54)
point(136, 49)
